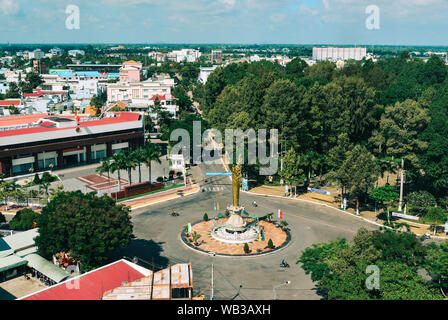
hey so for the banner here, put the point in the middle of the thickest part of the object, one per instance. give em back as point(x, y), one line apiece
point(319, 191)
point(189, 228)
point(244, 184)
point(400, 215)
point(280, 214)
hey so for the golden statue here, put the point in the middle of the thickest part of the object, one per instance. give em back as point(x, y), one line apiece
point(236, 184)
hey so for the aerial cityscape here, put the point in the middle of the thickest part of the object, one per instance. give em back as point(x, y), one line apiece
point(233, 150)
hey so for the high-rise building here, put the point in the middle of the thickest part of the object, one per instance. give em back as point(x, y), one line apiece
point(216, 56)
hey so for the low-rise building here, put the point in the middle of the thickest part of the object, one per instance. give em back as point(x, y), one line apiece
point(38, 141)
point(131, 71)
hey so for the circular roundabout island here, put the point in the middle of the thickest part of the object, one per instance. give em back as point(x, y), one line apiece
point(236, 236)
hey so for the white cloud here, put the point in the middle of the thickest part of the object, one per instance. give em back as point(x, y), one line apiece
point(9, 7)
point(278, 17)
point(307, 11)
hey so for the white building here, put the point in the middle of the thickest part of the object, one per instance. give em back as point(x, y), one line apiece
point(4, 87)
point(74, 53)
point(139, 90)
point(336, 53)
point(36, 54)
point(205, 72)
point(188, 55)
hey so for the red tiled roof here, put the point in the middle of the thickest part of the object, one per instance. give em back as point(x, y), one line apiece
point(6, 103)
point(33, 94)
point(91, 285)
point(122, 117)
point(160, 97)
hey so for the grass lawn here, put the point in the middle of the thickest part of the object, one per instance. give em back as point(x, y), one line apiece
point(148, 193)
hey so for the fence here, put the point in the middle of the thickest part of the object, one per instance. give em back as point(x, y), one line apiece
point(24, 202)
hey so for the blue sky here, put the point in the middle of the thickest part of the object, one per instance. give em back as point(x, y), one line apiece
point(402, 22)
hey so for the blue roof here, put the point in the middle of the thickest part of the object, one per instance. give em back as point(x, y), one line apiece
point(82, 74)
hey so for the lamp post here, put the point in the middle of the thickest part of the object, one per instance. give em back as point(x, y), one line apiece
point(278, 286)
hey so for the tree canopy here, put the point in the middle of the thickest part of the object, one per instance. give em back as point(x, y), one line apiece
point(87, 226)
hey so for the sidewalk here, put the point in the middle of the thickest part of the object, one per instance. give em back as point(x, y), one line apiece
point(332, 201)
point(161, 197)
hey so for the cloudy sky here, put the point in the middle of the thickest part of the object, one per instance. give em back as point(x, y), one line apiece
point(401, 22)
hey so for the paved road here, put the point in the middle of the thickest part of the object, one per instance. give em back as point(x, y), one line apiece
point(308, 223)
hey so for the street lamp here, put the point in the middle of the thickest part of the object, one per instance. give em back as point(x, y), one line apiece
point(280, 285)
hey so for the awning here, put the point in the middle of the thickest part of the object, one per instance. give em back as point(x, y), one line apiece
point(11, 262)
point(45, 267)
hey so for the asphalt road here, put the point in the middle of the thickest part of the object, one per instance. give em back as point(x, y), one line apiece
point(158, 236)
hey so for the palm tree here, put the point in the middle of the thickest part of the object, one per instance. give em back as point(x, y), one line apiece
point(130, 162)
point(138, 156)
point(106, 165)
point(151, 152)
point(196, 237)
point(117, 165)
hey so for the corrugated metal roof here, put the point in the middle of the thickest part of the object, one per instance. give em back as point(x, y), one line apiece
point(11, 262)
point(159, 288)
point(26, 252)
point(45, 267)
point(22, 240)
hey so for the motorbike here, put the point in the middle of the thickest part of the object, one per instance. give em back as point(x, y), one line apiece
point(284, 264)
point(254, 204)
point(174, 214)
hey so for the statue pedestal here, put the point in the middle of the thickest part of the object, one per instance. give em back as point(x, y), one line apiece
point(235, 221)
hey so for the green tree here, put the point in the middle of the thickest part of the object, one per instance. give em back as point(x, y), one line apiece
point(118, 164)
point(419, 201)
point(24, 220)
point(105, 167)
point(398, 131)
point(87, 226)
point(385, 195)
point(340, 268)
point(2, 218)
point(292, 172)
point(151, 152)
point(437, 265)
point(359, 171)
point(131, 162)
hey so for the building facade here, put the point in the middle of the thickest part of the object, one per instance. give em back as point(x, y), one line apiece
point(60, 142)
point(335, 53)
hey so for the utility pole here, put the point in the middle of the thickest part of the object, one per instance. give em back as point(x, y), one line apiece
point(401, 185)
point(213, 289)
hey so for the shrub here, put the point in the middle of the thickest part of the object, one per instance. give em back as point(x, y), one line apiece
point(435, 214)
point(179, 174)
point(2, 218)
point(46, 177)
point(420, 200)
point(36, 179)
point(270, 244)
point(159, 179)
point(205, 217)
point(246, 248)
point(227, 213)
point(23, 220)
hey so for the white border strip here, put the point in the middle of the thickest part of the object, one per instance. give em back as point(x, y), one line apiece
point(326, 205)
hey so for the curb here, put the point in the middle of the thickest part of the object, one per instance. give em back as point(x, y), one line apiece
point(328, 206)
point(158, 193)
point(175, 197)
point(220, 255)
